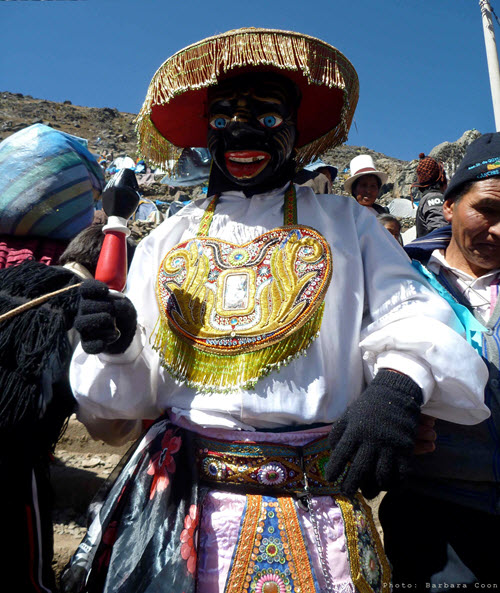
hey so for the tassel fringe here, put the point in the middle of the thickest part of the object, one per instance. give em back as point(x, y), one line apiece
point(35, 352)
point(200, 65)
point(211, 372)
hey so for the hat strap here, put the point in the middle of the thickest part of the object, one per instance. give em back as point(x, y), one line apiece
point(290, 211)
point(366, 170)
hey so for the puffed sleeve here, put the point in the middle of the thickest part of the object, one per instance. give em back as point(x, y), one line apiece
point(126, 386)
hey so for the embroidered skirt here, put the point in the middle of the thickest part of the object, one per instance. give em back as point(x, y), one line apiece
point(200, 512)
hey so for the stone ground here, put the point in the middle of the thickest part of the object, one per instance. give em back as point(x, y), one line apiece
point(81, 465)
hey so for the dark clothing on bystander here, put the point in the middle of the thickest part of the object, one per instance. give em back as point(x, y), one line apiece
point(430, 212)
point(449, 544)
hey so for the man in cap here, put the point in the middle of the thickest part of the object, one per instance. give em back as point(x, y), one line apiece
point(243, 485)
point(452, 503)
point(431, 181)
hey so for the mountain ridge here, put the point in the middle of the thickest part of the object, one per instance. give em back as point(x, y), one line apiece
point(112, 132)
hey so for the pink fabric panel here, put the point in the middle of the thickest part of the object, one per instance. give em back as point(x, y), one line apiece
point(219, 530)
point(332, 536)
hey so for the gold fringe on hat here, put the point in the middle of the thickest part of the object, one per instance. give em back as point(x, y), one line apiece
point(204, 63)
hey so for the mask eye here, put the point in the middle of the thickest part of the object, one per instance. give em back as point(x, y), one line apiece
point(270, 120)
point(218, 122)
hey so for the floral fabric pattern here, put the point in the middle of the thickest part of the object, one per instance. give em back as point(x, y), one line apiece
point(124, 542)
point(162, 464)
point(189, 538)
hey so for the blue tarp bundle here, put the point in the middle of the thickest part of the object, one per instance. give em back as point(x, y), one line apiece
point(48, 183)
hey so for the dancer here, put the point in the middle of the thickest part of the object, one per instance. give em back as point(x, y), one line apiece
point(242, 484)
point(48, 182)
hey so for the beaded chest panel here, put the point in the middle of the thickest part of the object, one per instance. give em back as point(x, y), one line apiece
point(229, 299)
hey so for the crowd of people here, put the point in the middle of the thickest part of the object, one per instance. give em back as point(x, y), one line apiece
point(277, 357)
point(365, 184)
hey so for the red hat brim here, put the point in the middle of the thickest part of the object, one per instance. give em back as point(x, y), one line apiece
point(184, 122)
point(175, 110)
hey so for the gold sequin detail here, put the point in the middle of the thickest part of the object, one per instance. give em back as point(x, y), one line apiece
point(202, 64)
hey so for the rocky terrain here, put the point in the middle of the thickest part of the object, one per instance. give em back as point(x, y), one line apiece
point(109, 131)
point(81, 464)
point(105, 129)
point(80, 467)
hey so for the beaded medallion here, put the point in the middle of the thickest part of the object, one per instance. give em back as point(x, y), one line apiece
point(259, 303)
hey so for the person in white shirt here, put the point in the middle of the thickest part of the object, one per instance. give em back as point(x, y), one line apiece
point(243, 484)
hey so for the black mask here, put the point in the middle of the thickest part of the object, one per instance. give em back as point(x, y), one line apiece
point(252, 133)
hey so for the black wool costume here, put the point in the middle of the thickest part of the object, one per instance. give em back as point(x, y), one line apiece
point(35, 404)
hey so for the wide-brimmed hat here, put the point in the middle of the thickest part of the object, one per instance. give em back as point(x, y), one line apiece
point(319, 164)
point(363, 165)
point(174, 113)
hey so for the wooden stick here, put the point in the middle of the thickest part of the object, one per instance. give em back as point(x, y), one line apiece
point(35, 302)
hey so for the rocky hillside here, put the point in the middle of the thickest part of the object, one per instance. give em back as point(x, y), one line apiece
point(105, 129)
point(110, 131)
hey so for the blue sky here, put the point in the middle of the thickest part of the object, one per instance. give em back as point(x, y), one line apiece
point(421, 63)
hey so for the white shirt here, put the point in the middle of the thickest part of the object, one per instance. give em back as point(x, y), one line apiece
point(481, 293)
point(378, 313)
point(372, 210)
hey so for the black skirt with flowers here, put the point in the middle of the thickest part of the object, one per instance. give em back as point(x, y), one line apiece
point(141, 538)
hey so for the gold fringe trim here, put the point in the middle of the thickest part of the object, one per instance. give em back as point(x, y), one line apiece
point(210, 372)
point(351, 531)
point(200, 65)
point(155, 148)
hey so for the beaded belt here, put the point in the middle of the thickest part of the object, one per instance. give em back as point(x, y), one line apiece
point(265, 466)
point(271, 469)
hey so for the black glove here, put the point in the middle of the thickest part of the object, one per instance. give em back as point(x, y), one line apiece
point(106, 322)
point(372, 442)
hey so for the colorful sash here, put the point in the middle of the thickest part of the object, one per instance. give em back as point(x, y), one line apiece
point(275, 467)
point(271, 555)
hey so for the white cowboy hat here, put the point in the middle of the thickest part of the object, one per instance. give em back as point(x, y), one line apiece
point(363, 165)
